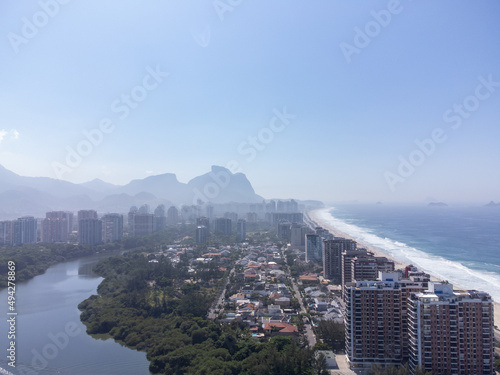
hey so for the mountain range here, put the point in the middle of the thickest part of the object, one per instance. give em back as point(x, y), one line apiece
point(20, 195)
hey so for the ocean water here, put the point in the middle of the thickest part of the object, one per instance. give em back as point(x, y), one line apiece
point(460, 244)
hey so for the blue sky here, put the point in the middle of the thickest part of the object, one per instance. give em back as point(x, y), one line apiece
point(355, 84)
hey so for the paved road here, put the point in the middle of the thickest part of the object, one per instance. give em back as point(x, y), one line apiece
point(213, 313)
point(311, 337)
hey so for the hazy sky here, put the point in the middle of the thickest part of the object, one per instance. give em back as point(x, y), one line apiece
point(312, 100)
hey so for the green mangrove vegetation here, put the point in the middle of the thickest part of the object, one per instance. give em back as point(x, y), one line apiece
point(158, 307)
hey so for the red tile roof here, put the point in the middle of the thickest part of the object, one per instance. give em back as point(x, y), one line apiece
point(285, 327)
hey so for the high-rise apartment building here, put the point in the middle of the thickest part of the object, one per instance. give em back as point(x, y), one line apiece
point(6, 232)
point(451, 331)
point(241, 229)
point(201, 234)
point(298, 236)
point(190, 213)
point(209, 211)
point(287, 206)
point(252, 217)
point(89, 227)
point(160, 219)
point(173, 215)
point(361, 264)
point(394, 320)
point(270, 206)
point(24, 230)
point(56, 227)
point(233, 216)
point(291, 217)
point(284, 230)
point(323, 233)
point(90, 231)
point(368, 267)
point(346, 263)
point(314, 248)
point(65, 215)
point(205, 221)
point(112, 227)
point(142, 224)
point(373, 322)
point(412, 282)
point(54, 230)
point(332, 257)
point(223, 226)
point(87, 214)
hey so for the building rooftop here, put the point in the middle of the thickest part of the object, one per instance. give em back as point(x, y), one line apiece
point(283, 327)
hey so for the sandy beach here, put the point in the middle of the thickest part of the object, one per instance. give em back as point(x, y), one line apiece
point(316, 217)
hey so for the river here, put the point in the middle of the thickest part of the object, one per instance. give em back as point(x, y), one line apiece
point(50, 339)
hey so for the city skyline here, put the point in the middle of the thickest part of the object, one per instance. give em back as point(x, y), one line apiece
point(337, 101)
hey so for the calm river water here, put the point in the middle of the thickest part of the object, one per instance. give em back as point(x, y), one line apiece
point(50, 339)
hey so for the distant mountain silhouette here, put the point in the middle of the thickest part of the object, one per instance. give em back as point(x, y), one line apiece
point(430, 200)
point(492, 204)
point(221, 186)
point(58, 188)
point(21, 195)
point(100, 186)
point(163, 186)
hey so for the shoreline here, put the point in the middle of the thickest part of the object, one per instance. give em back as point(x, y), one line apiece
point(315, 217)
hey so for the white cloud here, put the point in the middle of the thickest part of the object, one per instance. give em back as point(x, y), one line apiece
point(12, 134)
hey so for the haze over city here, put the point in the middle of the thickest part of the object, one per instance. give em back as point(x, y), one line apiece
point(372, 101)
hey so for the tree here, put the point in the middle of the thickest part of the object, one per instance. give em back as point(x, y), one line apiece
point(300, 323)
point(320, 365)
point(332, 333)
point(168, 321)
